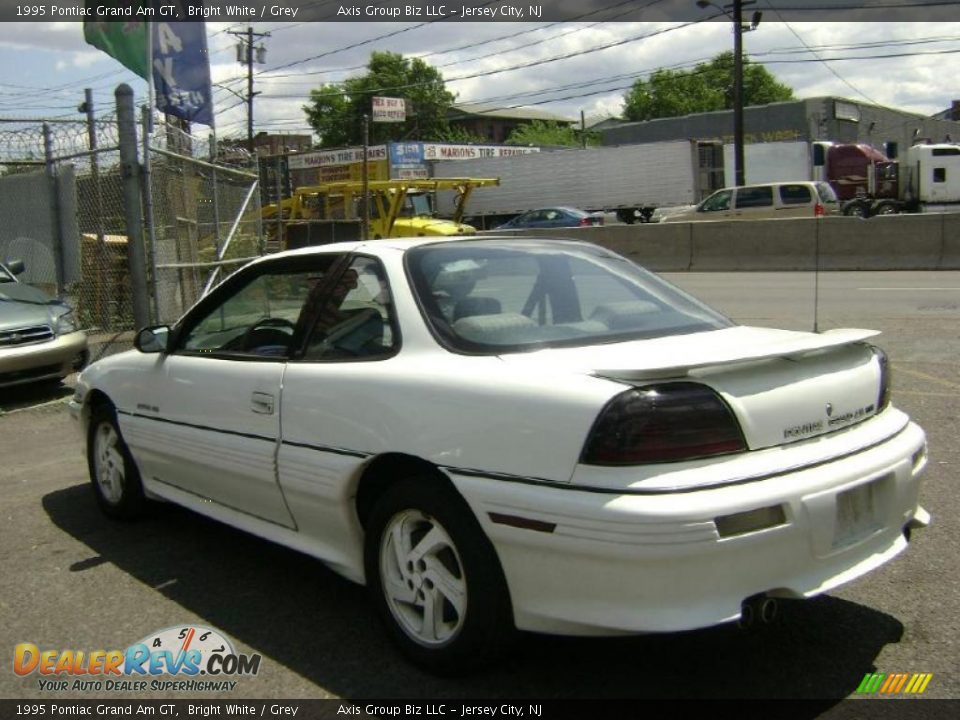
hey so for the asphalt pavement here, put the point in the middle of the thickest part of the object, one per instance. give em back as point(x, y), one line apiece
point(72, 580)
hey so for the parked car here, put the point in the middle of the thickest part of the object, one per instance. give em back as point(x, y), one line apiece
point(499, 433)
point(553, 218)
point(762, 202)
point(39, 338)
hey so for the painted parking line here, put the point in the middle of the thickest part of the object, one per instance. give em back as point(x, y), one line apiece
point(924, 376)
point(909, 289)
point(921, 393)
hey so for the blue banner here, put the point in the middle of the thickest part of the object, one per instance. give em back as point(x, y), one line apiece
point(181, 71)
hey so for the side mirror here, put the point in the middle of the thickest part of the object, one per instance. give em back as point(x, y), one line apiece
point(154, 339)
point(16, 266)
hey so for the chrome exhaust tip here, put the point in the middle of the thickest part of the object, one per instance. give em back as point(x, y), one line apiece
point(769, 608)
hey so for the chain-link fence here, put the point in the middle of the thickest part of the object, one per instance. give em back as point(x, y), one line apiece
point(205, 218)
point(201, 218)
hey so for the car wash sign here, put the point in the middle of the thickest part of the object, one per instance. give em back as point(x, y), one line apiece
point(181, 71)
point(387, 109)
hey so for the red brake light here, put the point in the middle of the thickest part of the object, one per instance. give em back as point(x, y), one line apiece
point(663, 423)
point(818, 210)
point(584, 221)
point(883, 397)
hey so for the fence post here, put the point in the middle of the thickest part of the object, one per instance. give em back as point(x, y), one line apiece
point(216, 199)
point(102, 316)
point(133, 214)
point(281, 244)
point(55, 192)
point(146, 117)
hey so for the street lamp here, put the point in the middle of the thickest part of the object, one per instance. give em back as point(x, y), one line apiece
point(738, 29)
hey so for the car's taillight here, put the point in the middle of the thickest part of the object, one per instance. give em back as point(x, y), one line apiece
point(819, 210)
point(663, 423)
point(584, 221)
point(883, 396)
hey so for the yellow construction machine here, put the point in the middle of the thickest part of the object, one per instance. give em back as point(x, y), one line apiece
point(398, 208)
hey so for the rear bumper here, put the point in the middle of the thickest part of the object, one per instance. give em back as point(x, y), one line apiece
point(599, 562)
point(41, 361)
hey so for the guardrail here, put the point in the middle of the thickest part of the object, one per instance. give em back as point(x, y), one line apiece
point(897, 242)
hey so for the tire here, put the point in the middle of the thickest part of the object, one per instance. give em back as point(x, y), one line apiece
point(856, 209)
point(886, 208)
point(472, 622)
point(113, 473)
point(628, 217)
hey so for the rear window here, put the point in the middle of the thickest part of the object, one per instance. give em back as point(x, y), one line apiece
point(749, 197)
point(795, 195)
point(494, 298)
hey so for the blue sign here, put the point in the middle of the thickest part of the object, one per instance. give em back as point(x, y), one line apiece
point(406, 153)
point(181, 71)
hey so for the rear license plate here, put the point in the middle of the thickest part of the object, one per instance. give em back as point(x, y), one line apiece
point(857, 513)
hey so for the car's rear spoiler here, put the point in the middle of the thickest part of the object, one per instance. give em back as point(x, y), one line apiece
point(790, 345)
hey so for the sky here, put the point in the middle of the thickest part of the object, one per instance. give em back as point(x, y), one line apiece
point(570, 67)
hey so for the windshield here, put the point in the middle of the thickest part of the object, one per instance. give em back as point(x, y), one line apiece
point(416, 204)
point(495, 297)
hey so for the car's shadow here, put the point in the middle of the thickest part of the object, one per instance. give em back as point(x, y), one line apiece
point(304, 617)
point(33, 394)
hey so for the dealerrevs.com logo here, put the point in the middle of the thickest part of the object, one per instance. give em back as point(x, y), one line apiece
point(186, 658)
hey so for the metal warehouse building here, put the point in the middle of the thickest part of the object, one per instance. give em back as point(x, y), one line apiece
point(821, 118)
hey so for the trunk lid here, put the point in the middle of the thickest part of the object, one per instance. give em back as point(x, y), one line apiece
point(783, 386)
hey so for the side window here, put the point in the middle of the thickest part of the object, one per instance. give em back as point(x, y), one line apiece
point(717, 202)
point(354, 318)
point(827, 194)
point(256, 320)
point(795, 194)
point(751, 197)
point(940, 175)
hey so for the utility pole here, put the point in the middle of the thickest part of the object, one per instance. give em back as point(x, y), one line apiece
point(736, 7)
point(247, 53)
point(739, 163)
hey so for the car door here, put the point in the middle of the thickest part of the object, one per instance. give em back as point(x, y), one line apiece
point(555, 218)
point(715, 207)
point(535, 219)
point(209, 411)
point(334, 410)
point(796, 200)
point(753, 202)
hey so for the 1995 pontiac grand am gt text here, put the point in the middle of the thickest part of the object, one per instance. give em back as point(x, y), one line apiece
point(511, 433)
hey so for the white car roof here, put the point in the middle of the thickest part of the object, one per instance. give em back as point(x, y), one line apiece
point(401, 244)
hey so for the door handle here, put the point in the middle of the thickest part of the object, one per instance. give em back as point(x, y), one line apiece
point(262, 403)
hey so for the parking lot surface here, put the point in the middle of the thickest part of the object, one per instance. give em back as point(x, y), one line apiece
point(72, 580)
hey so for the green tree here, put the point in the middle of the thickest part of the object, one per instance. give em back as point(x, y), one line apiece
point(541, 132)
point(336, 112)
point(459, 134)
point(328, 114)
point(707, 87)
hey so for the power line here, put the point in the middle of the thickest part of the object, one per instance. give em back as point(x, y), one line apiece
point(267, 72)
point(825, 64)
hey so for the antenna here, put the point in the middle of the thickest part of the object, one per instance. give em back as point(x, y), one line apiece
point(816, 277)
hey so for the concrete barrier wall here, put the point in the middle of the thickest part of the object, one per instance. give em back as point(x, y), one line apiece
point(898, 242)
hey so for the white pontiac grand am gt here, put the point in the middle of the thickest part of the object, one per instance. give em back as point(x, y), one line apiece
point(511, 433)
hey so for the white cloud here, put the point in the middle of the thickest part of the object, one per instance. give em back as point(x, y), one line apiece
point(54, 55)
